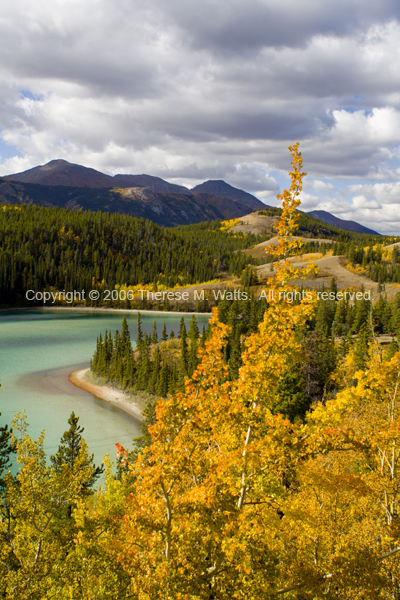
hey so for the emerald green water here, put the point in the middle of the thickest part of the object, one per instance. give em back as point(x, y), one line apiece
point(40, 348)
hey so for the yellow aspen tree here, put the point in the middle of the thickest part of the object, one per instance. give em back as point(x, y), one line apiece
point(342, 527)
point(203, 519)
point(288, 223)
point(37, 539)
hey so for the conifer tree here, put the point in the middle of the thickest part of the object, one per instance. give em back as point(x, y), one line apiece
point(6, 449)
point(68, 451)
point(162, 383)
point(184, 359)
point(193, 333)
point(139, 339)
point(361, 347)
point(154, 335)
point(125, 338)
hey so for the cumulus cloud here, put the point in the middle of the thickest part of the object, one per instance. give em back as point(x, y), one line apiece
point(385, 193)
point(363, 202)
point(309, 202)
point(209, 90)
point(318, 185)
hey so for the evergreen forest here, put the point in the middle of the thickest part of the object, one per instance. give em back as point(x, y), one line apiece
point(54, 249)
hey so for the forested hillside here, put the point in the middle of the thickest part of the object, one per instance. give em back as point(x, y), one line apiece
point(166, 208)
point(375, 260)
point(57, 249)
point(310, 225)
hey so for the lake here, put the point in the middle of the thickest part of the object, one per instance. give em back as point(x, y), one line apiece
point(40, 348)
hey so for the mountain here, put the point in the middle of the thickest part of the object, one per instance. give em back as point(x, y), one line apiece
point(155, 184)
point(221, 188)
point(60, 183)
point(329, 219)
point(61, 172)
point(165, 209)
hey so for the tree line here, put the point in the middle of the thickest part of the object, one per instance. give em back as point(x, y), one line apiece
point(57, 249)
point(373, 260)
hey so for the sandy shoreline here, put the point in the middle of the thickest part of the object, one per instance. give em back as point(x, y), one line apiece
point(116, 397)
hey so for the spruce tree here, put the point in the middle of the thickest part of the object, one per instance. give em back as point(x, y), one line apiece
point(184, 359)
point(193, 333)
point(162, 382)
point(154, 335)
point(361, 347)
point(139, 339)
point(68, 451)
point(6, 449)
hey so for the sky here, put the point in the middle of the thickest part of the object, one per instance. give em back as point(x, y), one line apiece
point(211, 89)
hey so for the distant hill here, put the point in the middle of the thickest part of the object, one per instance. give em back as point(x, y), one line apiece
point(219, 187)
point(61, 172)
point(155, 184)
point(60, 183)
point(64, 184)
point(163, 208)
point(329, 219)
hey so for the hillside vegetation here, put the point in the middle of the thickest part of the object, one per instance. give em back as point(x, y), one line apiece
point(58, 249)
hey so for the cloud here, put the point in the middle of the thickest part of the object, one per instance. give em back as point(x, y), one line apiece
point(363, 202)
point(208, 90)
point(318, 185)
point(309, 202)
point(385, 193)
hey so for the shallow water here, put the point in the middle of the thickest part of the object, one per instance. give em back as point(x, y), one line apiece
point(40, 348)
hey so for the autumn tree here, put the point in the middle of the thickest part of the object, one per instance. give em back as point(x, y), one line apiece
point(35, 551)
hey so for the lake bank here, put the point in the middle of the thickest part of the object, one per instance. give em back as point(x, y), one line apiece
point(118, 398)
point(40, 348)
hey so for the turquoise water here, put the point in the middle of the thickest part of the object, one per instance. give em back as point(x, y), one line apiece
point(40, 348)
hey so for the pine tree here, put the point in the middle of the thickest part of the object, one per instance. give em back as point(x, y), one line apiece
point(234, 361)
point(162, 383)
point(139, 339)
point(154, 335)
point(6, 449)
point(184, 359)
point(125, 338)
point(193, 333)
point(361, 347)
point(72, 444)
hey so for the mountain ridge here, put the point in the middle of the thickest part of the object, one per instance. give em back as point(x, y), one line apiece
point(218, 187)
point(83, 188)
point(168, 210)
point(60, 172)
point(329, 219)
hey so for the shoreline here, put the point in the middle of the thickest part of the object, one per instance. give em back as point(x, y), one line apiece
point(118, 398)
point(95, 308)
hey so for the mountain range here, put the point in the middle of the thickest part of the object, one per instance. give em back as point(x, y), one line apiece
point(62, 173)
point(329, 219)
point(63, 184)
